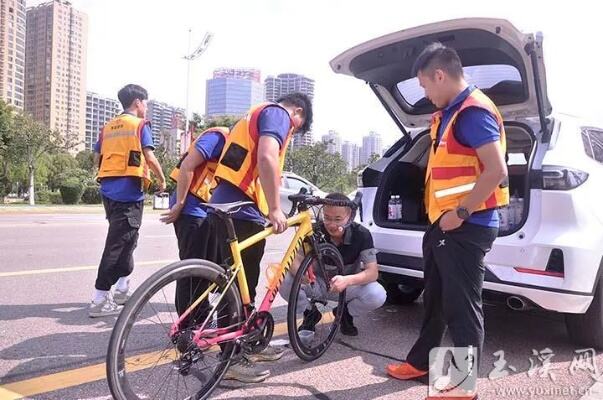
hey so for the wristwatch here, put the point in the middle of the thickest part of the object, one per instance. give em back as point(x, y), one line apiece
point(462, 213)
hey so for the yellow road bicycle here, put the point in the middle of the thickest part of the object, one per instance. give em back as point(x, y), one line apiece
point(160, 349)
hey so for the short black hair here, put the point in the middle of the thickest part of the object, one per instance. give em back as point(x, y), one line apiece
point(301, 100)
point(438, 56)
point(337, 196)
point(131, 92)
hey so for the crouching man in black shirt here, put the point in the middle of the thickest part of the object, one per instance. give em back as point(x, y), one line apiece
point(359, 279)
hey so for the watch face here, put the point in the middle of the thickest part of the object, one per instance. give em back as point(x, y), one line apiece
point(462, 213)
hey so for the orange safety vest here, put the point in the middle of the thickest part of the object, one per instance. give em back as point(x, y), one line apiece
point(121, 151)
point(239, 160)
point(203, 176)
point(453, 168)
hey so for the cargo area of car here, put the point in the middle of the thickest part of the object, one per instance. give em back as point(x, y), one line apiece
point(405, 176)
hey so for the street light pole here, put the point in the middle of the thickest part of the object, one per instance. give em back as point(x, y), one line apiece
point(189, 58)
point(188, 77)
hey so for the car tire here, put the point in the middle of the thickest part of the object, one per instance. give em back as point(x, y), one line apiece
point(587, 329)
point(399, 291)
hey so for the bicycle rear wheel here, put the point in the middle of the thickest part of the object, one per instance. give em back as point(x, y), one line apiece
point(310, 300)
point(148, 357)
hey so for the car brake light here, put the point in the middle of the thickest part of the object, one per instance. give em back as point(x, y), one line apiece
point(562, 178)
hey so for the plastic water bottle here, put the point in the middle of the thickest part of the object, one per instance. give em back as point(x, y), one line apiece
point(391, 208)
point(503, 216)
point(512, 211)
point(398, 208)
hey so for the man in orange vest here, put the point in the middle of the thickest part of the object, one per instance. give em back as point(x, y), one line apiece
point(465, 184)
point(124, 155)
point(250, 169)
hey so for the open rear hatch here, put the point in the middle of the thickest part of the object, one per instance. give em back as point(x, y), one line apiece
point(499, 59)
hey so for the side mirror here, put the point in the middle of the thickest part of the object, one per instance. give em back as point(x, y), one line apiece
point(310, 190)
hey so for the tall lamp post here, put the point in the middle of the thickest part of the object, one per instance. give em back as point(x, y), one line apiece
point(189, 58)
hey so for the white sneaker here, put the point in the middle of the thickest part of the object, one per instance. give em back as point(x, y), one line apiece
point(105, 308)
point(120, 297)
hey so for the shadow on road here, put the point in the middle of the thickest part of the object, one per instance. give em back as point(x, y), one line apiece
point(385, 334)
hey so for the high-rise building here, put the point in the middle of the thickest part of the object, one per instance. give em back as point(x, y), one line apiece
point(55, 67)
point(231, 92)
point(351, 154)
point(163, 118)
point(371, 144)
point(276, 87)
point(12, 52)
point(99, 110)
point(299, 140)
point(170, 140)
point(283, 84)
point(333, 142)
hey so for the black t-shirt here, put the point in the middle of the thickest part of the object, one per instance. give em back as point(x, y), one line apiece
point(357, 248)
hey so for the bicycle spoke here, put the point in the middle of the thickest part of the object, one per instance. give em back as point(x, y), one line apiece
point(155, 368)
point(166, 302)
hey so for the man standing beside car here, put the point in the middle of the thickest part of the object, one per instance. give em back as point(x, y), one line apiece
point(466, 181)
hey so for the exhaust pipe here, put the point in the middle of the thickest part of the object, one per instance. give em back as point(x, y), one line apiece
point(517, 303)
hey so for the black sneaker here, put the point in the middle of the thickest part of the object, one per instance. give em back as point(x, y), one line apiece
point(347, 323)
point(311, 318)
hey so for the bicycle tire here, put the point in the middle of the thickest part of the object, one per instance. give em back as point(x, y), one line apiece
point(116, 370)
point(307, 353)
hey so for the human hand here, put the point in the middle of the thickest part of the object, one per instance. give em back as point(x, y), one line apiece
point(339, 283)
point(450, 221)
point(278, 221)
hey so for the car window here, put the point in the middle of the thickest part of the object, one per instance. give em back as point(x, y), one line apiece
point(592, 139)
point(296, 184)
point(501, 82)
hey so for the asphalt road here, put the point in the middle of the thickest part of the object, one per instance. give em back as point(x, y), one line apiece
point(50, 349)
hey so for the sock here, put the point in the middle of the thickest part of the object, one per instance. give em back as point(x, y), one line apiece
point(100, 295)
point(123, 284)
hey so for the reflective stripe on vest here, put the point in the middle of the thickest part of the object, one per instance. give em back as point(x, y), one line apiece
point(121, 151)
point(453, 169)
point(239, 163)
point(203, 175)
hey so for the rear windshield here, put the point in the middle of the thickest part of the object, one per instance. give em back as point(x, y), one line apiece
point(502, 83)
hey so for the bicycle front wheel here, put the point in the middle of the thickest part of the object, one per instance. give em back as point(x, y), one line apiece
point(314, 313)
point(150, 357)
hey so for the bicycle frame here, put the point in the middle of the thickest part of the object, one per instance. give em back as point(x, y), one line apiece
point(205, 338)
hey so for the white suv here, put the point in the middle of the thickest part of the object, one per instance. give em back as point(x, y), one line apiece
point(549, 253)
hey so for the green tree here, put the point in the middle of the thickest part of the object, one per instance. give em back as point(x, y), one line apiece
point(32, 141)
point(374, 157)
point(60, 165)
point(85, 160)
point(325, 170)
point(202, 124)
point(168, 161)
point(6, 140)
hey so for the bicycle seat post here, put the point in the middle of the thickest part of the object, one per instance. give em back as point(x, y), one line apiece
point(230, 230)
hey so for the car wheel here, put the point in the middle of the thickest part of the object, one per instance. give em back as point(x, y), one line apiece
point(399, 291)
point(587, 329)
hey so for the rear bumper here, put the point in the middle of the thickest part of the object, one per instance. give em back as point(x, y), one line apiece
point(552, 300)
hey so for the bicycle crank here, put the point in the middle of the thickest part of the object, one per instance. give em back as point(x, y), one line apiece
point(261, 329)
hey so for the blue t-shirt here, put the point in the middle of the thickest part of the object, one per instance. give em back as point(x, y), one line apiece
point(474, 127)
point(210, 146)
point(275, 122)
point(126, 189)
